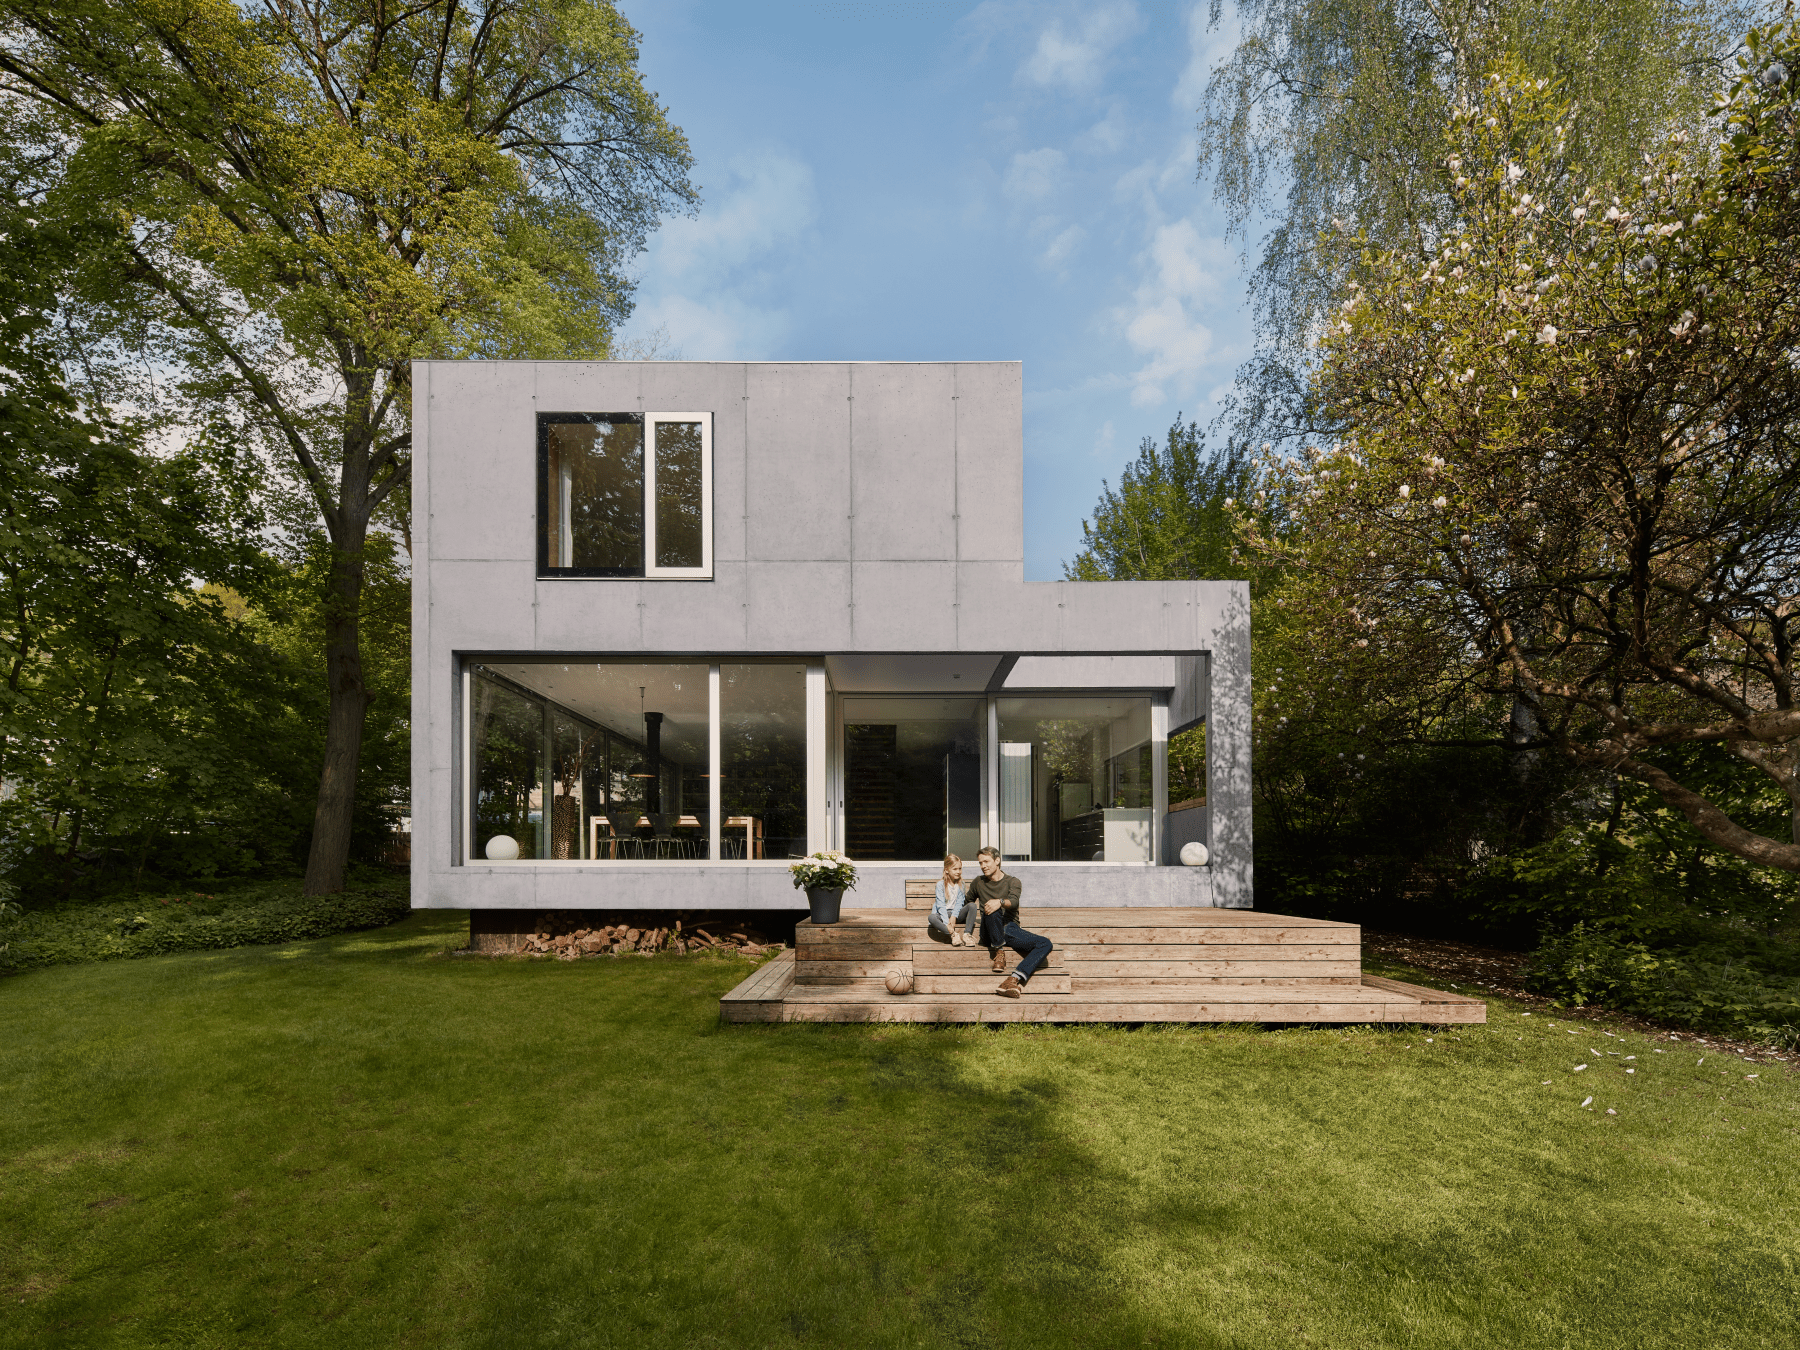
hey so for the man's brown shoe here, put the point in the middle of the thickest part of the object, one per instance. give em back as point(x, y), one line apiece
point(999, 964)
point(1010, 987)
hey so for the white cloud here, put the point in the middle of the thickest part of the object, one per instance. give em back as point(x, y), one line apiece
point(712, 282)
point(1063, 245)
point(1073, 57)
point(1034, 172)
point(1183, 274)
point(1106, 136)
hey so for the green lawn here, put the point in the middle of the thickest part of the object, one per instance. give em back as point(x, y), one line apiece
point(359, 1141)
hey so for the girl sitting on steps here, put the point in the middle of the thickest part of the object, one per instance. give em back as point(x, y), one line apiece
point(953, 907)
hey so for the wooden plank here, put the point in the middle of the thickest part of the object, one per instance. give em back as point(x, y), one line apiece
point(1215, 994)
point(810, 972)
point(758, 997)
point(1149, 970)
point(1117, 917)
point(1418, 991)
point(854, 951)
point(1074, 1009)
point(1188, 936)
point(1086, 952)
point(920, 894)
point(967, 960)
point(1044, 982)
point(1084, 981)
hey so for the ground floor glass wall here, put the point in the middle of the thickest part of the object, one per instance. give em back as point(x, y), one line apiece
point(602, 761)
point(618, 751)
point(762, 760)
point(1075, 778)
point(913, 777)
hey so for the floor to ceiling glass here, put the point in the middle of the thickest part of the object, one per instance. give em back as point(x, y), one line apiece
point(762, 760)
point(1075, 778)
point(912, 777)
point(618, 751)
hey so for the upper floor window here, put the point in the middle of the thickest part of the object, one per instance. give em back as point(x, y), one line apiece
point(625, 494)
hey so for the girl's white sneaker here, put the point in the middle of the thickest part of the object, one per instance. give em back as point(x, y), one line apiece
point(956, 938)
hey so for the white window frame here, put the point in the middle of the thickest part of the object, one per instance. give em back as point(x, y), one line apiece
point(705, 570)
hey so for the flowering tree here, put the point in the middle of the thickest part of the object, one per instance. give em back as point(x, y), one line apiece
point(1568, 477)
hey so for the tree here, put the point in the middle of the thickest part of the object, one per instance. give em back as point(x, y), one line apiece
point(124, 714)
point(1170, 517)
point(1573, 480)
point(316, 193)
point(1341, 104)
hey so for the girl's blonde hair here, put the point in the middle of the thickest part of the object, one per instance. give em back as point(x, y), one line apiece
point(950, 860)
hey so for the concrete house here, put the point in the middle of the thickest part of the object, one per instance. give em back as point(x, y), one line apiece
point(677, 622)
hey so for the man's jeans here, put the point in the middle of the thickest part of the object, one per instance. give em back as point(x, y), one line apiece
point(1033, 948)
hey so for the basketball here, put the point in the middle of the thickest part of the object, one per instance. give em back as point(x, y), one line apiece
point(899, 982)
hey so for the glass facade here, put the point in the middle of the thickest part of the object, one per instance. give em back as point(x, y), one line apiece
point(1075, 778)
point(605, 761)
point(619, 751)
point(762, 759)
point(913, 777)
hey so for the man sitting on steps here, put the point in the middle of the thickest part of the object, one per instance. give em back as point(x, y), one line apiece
point(998, 896)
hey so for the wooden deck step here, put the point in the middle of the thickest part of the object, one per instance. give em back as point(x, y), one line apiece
point(1108, 965)
point(936, 957)
point(760, 997)
point(1044, 982)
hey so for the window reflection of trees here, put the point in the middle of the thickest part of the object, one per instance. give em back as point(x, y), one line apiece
point(603, 461)
point(678, 494)
point(509, 731)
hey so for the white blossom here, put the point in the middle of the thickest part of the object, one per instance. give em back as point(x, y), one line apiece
point(1547, 335)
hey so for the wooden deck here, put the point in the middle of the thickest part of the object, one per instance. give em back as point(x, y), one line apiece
point(1110, 965)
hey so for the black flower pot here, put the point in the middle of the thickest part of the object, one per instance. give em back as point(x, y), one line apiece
point(825, 902)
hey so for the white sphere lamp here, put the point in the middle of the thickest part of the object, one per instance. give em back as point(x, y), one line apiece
point(503, 848)
point(1193, 854)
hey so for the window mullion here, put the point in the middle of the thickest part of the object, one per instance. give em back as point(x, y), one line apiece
point(714, 817)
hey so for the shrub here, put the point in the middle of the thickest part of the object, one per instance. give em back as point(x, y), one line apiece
point(193, 922)
point(1588, 964)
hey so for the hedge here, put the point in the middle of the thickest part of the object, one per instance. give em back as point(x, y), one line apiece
point(190, 923)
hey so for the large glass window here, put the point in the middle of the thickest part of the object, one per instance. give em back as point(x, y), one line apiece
point(912, 777)
point(762, 758)
point(619, 751)
point(1075, 779)
point(625, 494)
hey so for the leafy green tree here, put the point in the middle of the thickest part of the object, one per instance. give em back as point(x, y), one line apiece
point(1573, 482)
point(312, 194)
point(1329, 113)
point(128, 706)
point(1171, 515)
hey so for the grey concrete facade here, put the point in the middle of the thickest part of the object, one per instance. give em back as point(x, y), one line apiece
point(866, 518)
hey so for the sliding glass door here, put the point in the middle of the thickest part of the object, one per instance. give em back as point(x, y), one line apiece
point(912, 777)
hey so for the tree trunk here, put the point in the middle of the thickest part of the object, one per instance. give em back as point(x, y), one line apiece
point(350, 700)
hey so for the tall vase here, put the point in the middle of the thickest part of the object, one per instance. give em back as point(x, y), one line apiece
point(825, 901)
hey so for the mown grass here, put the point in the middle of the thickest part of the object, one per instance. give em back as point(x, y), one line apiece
point(360, 1141)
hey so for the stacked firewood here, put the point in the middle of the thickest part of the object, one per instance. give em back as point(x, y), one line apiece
point(624, 940)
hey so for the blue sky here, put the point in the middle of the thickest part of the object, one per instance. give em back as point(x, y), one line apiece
point(933, 181)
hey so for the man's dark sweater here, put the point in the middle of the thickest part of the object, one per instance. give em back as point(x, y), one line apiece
point(1006, 890)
